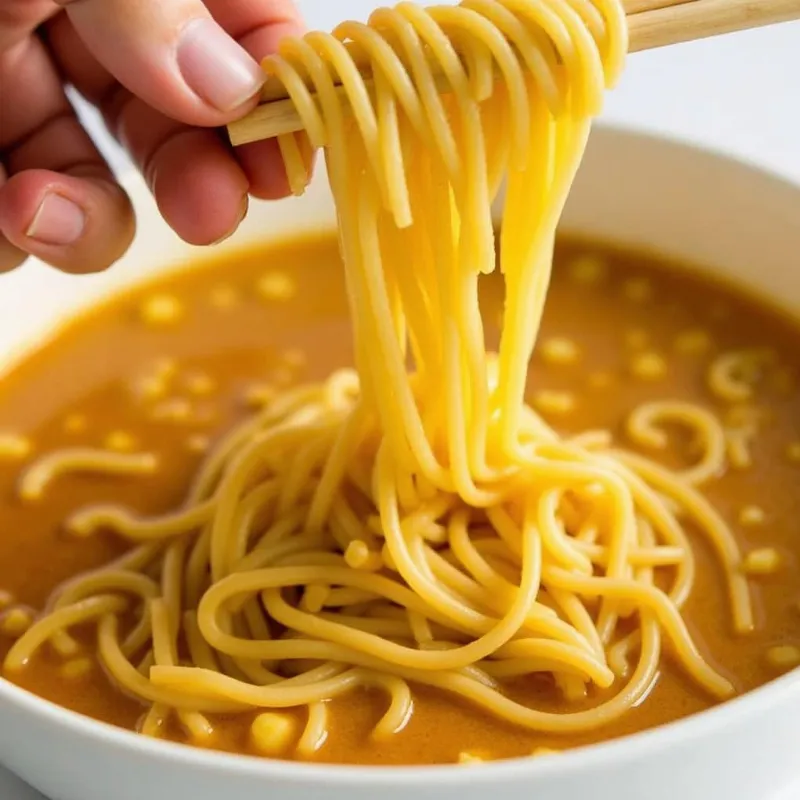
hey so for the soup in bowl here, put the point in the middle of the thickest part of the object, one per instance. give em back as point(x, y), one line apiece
point(151, 364)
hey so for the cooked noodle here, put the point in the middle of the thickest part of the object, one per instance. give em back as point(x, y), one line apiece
point(392, 528)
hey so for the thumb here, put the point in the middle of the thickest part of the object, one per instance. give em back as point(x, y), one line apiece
point(171, 54)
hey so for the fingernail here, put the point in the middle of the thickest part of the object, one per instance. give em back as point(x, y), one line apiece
point(243, 208)
point(57, 221)
point(215, 67)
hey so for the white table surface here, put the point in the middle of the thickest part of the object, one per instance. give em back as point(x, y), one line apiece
point(739, 94)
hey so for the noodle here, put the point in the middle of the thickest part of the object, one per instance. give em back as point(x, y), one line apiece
point(395, 528)
point(316, 730)
point(36, 480)
point(732, 375)
point(644, 428)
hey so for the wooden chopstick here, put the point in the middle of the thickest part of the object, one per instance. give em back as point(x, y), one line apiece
point(652, 24)
point(700, 19)
point(640, 6)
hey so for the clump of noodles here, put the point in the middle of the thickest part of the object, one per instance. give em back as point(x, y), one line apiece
point(390, 528)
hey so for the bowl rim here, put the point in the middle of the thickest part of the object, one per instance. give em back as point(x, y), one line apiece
point(610, 754)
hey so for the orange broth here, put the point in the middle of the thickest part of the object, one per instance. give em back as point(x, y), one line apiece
point(91, 381)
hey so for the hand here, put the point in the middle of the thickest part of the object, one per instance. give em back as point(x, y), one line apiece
point(163, 73)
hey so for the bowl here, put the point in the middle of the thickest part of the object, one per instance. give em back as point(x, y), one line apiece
point(638, 190)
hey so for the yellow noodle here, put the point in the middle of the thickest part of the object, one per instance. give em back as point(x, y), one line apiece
point(315, 733)
point(731, 376)
point(36, 479)
point(122, 523)
point(712, 524)
point(154, 721)
point(738, 446)
point(644, 428)
point(84, 610)
point(13, 447)
point(197, 726)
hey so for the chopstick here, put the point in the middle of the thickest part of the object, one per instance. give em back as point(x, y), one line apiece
point(700, 19)
point(651, 23)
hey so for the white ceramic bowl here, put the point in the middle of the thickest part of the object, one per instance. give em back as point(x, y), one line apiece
point(634, 189)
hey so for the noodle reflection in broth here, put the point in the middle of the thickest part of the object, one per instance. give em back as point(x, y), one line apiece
point(392, 528)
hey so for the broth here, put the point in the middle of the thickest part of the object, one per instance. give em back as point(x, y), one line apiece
point(170, 366)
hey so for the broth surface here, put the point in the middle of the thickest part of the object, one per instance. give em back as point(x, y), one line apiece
point(169, 367)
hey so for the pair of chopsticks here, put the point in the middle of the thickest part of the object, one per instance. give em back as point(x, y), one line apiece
point(651, 23)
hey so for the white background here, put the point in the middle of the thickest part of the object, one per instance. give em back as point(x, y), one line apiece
point(739, 94)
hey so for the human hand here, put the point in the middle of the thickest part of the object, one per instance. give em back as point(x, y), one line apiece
point(163, 73)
